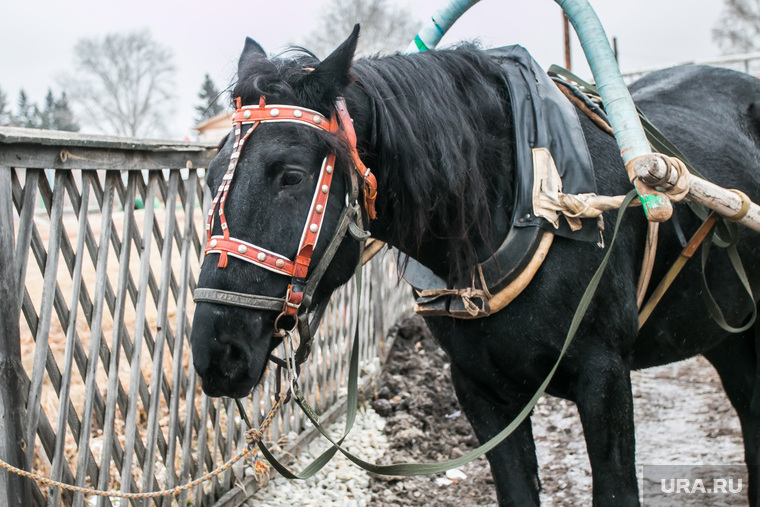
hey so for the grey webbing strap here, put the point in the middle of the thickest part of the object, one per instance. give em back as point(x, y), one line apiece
point(226, 297)
point(408, 469)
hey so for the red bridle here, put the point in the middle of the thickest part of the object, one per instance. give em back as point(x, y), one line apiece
point(298, 268)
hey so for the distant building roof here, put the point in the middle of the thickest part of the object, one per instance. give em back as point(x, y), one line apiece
point(215, 128)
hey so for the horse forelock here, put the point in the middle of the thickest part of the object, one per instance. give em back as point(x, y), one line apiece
point(280, 80)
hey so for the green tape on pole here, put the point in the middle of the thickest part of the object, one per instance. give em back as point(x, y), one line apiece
point(652, 201)
point(420, 45)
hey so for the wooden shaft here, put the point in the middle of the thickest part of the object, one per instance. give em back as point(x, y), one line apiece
point(727, 203)
point(676, 268)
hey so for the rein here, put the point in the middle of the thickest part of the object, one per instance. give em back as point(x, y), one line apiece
point(412, 469)
point(294, 306)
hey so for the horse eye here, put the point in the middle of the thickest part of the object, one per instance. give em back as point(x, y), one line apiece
point(292, 178)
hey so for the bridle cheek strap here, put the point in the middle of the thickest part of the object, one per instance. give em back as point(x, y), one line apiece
point(297, 269)
point(369, 182)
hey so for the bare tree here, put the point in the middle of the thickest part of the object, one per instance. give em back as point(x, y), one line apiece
point(123, 84)
point(385, 28)
point(738, 28)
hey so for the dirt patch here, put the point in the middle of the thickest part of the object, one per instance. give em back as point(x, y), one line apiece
point(425, 424)
point(682, 417)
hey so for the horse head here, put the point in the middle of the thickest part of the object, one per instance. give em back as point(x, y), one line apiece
point(277, 230)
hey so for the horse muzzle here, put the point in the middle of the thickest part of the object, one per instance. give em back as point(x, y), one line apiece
point(230, 348)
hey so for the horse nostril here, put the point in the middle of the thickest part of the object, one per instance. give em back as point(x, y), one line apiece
point(228, 350)
point(232, 360)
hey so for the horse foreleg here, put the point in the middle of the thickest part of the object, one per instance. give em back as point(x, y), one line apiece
point(736, 360)
point(513, 462)
point(605, 405)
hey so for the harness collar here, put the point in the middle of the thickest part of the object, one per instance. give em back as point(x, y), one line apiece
point(302, 286)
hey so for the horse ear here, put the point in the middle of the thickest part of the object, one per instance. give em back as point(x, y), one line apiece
point(251, 51)
point(333, 74)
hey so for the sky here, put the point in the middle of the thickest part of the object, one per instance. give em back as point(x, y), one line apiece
point(37, 37)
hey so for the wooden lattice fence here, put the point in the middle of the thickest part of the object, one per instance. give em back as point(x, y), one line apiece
point(100, 241)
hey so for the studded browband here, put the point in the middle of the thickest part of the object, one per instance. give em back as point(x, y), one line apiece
point(226, 245)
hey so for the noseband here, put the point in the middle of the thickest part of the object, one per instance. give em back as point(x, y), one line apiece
point(295, 305)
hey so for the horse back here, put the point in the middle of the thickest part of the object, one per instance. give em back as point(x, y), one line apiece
point(712, 115)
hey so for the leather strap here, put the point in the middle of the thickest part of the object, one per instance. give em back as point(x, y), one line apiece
point(230, 298)
point(299, 291)
point(676, 268)
point(369, 182)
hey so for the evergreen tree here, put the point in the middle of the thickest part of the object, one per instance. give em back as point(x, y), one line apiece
point(5, 114)
point(46, 120)
point(210, 106)
point(63, 116)
point(55, 115)
point(28, 114)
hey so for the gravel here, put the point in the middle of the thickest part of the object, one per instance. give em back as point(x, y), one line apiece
point(340, 482)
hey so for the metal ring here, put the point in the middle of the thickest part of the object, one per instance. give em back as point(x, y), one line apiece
point(278, 329)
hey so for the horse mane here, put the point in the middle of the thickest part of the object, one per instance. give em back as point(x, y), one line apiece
point(438, 134)
point(441, 134)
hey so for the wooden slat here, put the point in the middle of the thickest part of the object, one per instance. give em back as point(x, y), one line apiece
point(229, 448)
point(64, 392)
point(199, 236)
point(186, 463)
point(10, 136)
point(118, 318)
point(163, 327)
point(93, 158)
point(218, 446)
point(177, 368)
point(16, 491)
point(46, 310)
point(203, 453)
point(96, 337)
point(26, 206)
point(135, 373)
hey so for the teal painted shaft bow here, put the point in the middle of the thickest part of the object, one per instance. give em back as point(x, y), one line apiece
point(618, 103)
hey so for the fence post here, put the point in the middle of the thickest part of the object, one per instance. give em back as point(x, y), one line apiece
point(17, 489)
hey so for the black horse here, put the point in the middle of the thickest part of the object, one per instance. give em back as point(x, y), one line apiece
point(436, 128)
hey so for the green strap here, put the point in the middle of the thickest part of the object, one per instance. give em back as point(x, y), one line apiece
point(407, 469)
point(712, 305)
point(352, 403)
